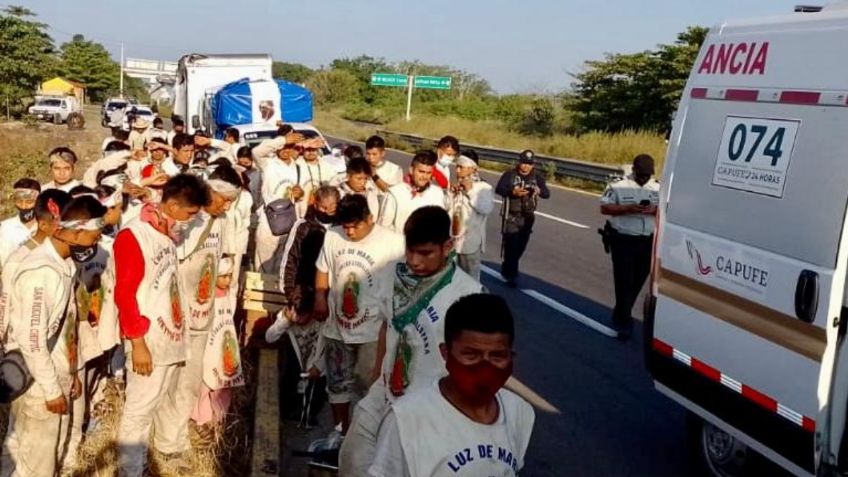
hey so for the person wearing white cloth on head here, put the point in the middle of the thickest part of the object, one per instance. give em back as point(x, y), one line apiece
point(471, 201)
point(42, 323)
point(416, 191)
point(62, 163)
point(282, 177)
point(148, 297)
point(466, 423)
point(200, 254)
point(16, 230)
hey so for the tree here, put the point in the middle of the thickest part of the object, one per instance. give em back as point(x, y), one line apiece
point(334, 87)
point(26, 54)
point(635, 91)
point(89, 63)
point(294, 72)
point(539, 118)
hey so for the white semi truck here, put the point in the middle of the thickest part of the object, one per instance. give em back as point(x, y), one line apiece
point(199, 75)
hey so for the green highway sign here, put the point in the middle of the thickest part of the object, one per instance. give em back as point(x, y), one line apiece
point(389, 79)
point(433, 82)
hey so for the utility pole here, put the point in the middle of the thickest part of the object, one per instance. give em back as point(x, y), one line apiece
point(409, 97)
point(122, 70)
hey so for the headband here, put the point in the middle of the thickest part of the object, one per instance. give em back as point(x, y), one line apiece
point(224, 188)
point(82, 224)
point(465, 161)
point(25, 194)
point(115, 181)
point(58, 158)
point(117, 198)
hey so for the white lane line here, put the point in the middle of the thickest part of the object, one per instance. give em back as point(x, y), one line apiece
point(554, 218)
point(569, 312)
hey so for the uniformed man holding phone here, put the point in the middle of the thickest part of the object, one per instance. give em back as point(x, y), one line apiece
point(631, 204)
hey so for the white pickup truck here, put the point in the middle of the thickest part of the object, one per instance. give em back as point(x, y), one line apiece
point(54, 108)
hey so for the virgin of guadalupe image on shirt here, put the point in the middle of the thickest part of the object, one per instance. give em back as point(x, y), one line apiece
point(176, 309)
point(204, 286)
point(350, 298)
point(229, 351)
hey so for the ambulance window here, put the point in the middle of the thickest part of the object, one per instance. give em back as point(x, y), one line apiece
point(801, 214)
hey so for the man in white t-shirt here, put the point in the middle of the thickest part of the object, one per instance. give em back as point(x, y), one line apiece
point(385, 174)
point(425, 286)
point(16, 230)
point(62, 163)
point(354, 269)
point(464, 424)
point(357, 180)
point(416, 191)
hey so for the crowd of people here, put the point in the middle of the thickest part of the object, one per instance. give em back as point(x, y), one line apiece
point(129, 277)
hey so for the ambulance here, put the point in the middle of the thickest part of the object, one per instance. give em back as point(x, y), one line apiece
point(746, 318)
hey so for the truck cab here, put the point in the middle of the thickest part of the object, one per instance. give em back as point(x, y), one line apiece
point(746, 318)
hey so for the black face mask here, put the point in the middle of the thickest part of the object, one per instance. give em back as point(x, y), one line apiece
point(82, 254)
point(323, 217)
point(26, 214)
point(641, 179)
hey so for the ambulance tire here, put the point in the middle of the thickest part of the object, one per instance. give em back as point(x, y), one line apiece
point(719, 453)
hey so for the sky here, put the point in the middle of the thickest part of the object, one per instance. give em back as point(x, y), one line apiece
point(517, 45)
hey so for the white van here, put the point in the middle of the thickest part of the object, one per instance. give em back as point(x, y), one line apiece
point(746, 320)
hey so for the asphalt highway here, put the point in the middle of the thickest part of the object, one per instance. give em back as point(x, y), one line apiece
point(597, 411)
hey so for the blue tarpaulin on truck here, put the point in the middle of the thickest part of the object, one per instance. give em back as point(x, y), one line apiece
point(248, 102)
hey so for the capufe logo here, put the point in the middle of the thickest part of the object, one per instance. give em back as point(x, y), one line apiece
point(735, 59)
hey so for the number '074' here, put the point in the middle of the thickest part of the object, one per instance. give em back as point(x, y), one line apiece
point(746, 140)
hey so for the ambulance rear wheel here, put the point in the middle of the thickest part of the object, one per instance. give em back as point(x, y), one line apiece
point(722, 454)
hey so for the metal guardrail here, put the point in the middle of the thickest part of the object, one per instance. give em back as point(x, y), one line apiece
point(565, 168)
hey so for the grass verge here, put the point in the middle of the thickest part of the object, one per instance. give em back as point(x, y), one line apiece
point(597, 147)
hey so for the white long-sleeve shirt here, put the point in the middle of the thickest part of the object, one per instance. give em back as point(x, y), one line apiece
point(112, 161)
point(40, 298)
point(13, 233)
point(401, 201)
point(278, 177)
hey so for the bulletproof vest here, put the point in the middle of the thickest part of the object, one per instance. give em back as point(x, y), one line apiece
point(527, 204)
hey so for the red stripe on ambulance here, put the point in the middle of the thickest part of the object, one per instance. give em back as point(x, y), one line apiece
point(763, 400)
point(699, 92)
point(800, 97)
point(741, 95)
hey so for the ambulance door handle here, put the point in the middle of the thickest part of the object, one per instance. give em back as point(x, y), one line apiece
point(807, 296)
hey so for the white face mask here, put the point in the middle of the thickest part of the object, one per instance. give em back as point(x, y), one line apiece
point(447, 160)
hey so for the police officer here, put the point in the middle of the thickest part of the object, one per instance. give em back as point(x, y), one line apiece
point(631, 204)
point(521, 189)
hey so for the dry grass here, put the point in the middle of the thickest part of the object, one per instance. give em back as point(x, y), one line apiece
point(332, 124)
point(604, 148)
point(24, 148)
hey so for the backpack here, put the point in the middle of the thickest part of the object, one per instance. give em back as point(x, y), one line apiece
point(281, 213)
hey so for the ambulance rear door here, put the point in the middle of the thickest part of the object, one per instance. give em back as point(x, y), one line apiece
point(750, 262)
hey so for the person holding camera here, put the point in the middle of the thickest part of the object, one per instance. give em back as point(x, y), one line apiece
point(631, 204)
point(521, 189)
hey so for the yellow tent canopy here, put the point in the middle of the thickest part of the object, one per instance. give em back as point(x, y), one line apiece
point(62, 87)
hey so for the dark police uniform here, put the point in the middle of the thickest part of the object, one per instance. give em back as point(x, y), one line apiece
point(630, 245)
point(518, 216)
